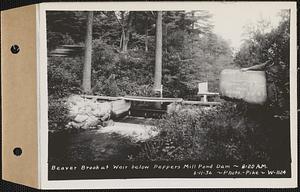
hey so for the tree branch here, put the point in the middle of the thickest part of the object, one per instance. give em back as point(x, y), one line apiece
point(152, 13)
point(183, 60)
point(118, 19)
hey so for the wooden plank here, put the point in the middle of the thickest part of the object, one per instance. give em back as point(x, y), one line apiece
point(149, 110)
point(73, 46)
point(209, 94)
point(67, 50)
point(152, 99)
point(200, 103)
point(101, 97)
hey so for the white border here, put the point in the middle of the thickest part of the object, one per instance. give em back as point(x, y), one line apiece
point(38, 41)
point(159, 183)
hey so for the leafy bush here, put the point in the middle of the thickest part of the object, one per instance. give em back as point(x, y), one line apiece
point(115, 75)
point(227, 132)
point(273, 47)
point(63, 76)
point(105, 59)
point(57, 114)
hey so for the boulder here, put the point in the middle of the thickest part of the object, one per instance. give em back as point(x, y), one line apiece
point(87, 113)
point(250, 86)
point(120, 107)
point(173, 107)
point(108, 123)
point(80, 118)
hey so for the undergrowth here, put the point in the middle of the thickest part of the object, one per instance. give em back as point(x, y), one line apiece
point(233, 131)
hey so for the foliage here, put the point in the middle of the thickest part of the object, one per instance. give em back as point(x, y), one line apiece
point(63, 76)
point(230, 132)
point(57, 114)
point(274, 48)
point(68, 24)
point(115, 76)
point(192, 53)
point(190, 50)
point(196, 61)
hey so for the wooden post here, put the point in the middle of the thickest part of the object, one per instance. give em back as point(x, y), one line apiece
point(204, 98)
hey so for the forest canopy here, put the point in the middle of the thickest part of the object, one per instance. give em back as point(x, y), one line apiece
point(123, 52)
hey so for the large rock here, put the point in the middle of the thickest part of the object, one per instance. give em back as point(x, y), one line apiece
point(173, 107)
point(120, 107)
point(87, 113)
point(81, 118)
point(249, 86)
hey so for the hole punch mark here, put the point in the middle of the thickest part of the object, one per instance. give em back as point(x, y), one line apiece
point(17, 151)
point(15, 49)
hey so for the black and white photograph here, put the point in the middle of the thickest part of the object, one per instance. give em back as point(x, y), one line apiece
point(191, 93)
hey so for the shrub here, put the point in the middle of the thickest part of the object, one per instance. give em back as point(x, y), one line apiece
point(57, 114)
point(273, 47)
point(117, 75)
point(63, 76)
point(227, 132)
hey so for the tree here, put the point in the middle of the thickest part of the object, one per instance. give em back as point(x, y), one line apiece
point(125, 20)
point(274, 47)
point(87, 67)
point(190, 53)
point(65, 27)
point(146, 35)
point(158, 55)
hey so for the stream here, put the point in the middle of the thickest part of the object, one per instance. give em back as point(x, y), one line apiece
point(93, 145)
point(89, 145)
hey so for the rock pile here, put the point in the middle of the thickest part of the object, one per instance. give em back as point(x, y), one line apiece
point(87, 113)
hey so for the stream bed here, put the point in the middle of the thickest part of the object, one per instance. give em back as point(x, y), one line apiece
point(94, 145)
point(89, 145)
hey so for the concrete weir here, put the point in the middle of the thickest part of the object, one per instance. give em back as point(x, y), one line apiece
point(126, 115)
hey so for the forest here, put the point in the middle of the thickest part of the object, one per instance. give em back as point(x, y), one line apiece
point(123, 55)
point(124, 51)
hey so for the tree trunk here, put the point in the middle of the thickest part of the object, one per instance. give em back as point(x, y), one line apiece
point(193, 27)
point(146, 36)
point(193, 17)
point(87, 67)
point(127, 33)
point(166, 40)
point(158, 56)
point(122, 39)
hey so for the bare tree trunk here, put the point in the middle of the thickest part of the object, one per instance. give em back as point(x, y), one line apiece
point(127, 33)
point(146, 36)
point(166, 35)
point(193, 27)
point(87, 67)
point(122, 39)
point(158, 55)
